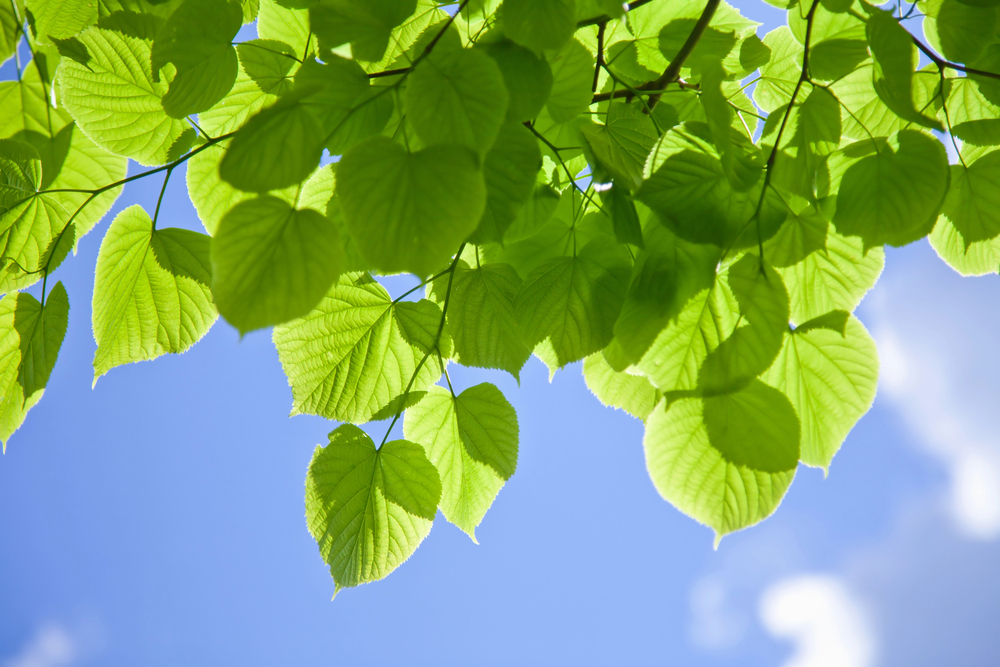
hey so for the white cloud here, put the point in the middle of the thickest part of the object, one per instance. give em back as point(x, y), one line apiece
point(828, 626)
point(51, 646)
point(716, 622)
point(935, 365)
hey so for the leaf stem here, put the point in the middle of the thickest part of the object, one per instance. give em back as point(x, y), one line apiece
point(437, 343)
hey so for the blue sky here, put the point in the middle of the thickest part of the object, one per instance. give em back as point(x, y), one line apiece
point(157, 519)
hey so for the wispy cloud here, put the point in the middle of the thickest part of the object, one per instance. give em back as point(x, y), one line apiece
point(938, 374)
point(51, 646)
point(827, 624)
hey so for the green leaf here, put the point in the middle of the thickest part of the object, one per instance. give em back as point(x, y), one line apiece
point(751, 348)
point(278, 147)
point(892, 196)
point(571, 303)
point(509, 170)
point(977, 259)
point(895, 62)
point(688, 188)
point(20, 171)
point(116, 99)
point(527, 77)
point(958, 31)
point(812, 132)
point(973, 118)
point(349, 109)
point(31, 233)
point(572, 78)
point(410, 211)
point(865, 115)
point(269, 63)
point(59, 18)
point(972, 205)
point(369, 509)
point(834, 277)
point(272, 263)
point(197, 40)
point(539, 24)
point(837, 42)
point(30, 337)
point(725, 461)
point(366, 24)
point(620, 146)
point(152, 291)
point(667, 274)
point(624, 217)
point(830, 378)
point(230, 113)
point(481, 317)
point(618, 389)
point(472, 440)
point(10, 33)
point(348, 359)
point(457, 97)
point(290, 26)
point(780, 74)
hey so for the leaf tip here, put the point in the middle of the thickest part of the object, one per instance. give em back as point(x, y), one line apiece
point(715, 542)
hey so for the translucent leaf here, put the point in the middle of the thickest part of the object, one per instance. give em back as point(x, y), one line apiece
point(725, 461)
point(830, 376)
point(837, 43)
point(688, 188)
point(410, 211)
point(620, 146)
point(751, 348)
point(242, 101)
point(780, 74)
point(349, 109)
point(509, 169)
point(9, 32)
point(481, 317)
point(895, 61)
point(472, 441)
point(369, 509)
point(624, 216)
point(269, 63)
point(152, 291)
point(632, 393)
point(572, 79)
point(272, 263)
point(977, 259)
point(278, 147)
point(539, 24)
point(59, 18)
point(834, 277)
point(891, 196)
point(812, 132)
point(572, 302)
point(527, 76)
point(667, 274)
point(31, 234)
point(958, 31)
point(403, 40)
point(30, 337)
point(197, 40)
point(973, 118)
point(457, 97)
point(347, 359)
point(972, 205)
point(116, 99)
point(366, 24)
point(290, 26)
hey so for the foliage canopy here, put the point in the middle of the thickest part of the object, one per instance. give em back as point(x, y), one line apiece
point(575, 179)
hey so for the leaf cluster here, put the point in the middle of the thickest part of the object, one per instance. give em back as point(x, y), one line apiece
point(691, 209)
